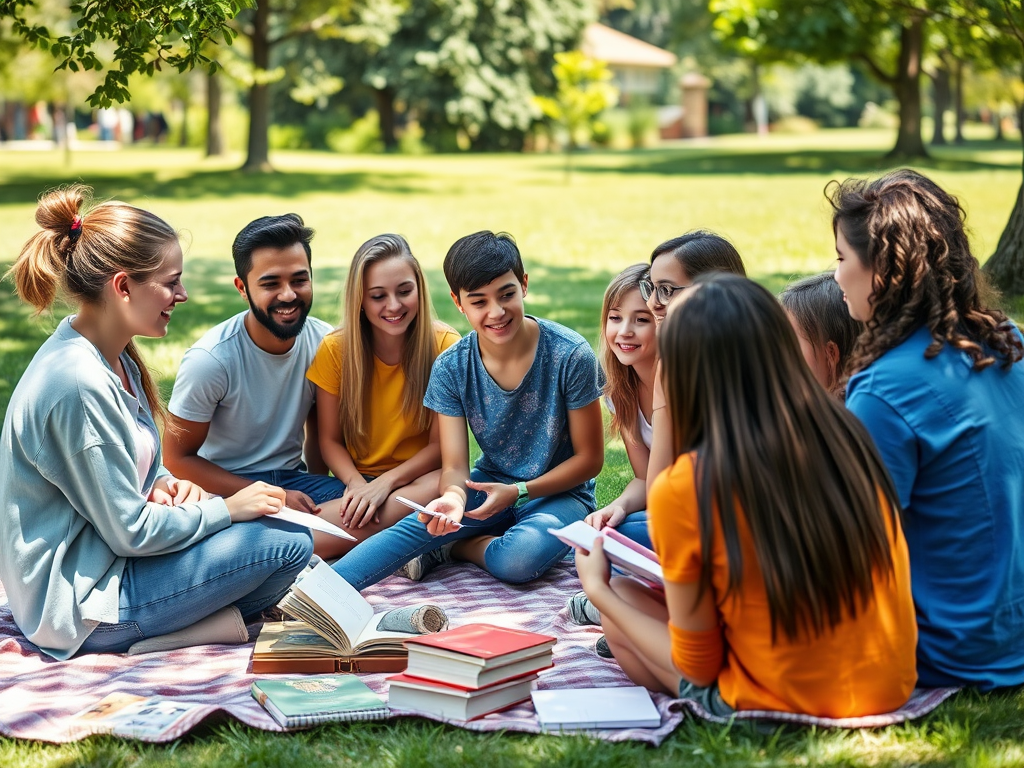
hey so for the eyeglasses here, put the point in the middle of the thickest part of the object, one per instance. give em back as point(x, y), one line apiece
point(665, 291)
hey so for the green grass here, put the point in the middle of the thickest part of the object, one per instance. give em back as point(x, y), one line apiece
point(765, 195)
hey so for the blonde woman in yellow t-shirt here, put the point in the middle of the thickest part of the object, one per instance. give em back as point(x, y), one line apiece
point(370, 375)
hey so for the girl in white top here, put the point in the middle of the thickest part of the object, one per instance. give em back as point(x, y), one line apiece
point(628, 352)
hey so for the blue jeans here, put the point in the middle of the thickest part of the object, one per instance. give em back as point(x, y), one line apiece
point(522, 551)
point(319, 488)
point(249, 565)
point(634, 528)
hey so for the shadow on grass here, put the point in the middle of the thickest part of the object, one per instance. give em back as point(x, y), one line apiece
point(968, 730)
point(216, 184)
point(776, 161)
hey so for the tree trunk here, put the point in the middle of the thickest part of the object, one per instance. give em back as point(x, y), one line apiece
point(258, 151)
point(214, 129)
point(386, 109)
point(959, 139)
point(940, 99)
point(1006, 266)
point(183, 136)
point(909, 142)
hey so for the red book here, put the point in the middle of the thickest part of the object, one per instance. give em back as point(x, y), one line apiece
point(489, 645)
point(410, 694)
point(478, 656)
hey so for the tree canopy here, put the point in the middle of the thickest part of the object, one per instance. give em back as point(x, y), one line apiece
point(138, 37)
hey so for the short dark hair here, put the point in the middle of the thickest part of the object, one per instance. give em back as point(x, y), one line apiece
point(475, 260)
point(269, 232)
point(702, 251)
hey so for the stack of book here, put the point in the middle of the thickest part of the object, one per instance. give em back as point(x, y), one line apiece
point(469, 672)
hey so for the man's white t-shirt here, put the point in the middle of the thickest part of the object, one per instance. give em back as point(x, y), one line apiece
point(255, 402)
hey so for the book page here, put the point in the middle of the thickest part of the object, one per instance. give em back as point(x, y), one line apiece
point(581, 535)
point(336, 599)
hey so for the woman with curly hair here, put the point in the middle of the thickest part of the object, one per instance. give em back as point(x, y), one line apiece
point(936, 381)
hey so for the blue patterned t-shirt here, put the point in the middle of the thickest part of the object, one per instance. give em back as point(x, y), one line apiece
point(523, 432)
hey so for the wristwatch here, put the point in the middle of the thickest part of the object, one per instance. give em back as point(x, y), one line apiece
point(524, 495)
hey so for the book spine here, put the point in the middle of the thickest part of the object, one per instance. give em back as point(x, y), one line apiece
point(259, 695)
point(300, 721)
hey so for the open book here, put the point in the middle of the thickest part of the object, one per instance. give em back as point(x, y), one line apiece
point(344, 622)
point(626, 554)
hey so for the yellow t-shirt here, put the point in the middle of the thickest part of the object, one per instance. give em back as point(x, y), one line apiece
point(864, 666)
point(393, 438)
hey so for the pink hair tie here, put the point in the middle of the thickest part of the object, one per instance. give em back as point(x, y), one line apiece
point(76, 227)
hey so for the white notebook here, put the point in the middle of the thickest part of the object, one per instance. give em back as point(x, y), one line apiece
point(572, 709)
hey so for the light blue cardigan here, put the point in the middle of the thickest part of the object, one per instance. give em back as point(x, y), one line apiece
point(71, 506)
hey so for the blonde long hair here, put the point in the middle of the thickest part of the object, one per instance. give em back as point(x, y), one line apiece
point(80, 246)
point(356, 337)
point(622, 384)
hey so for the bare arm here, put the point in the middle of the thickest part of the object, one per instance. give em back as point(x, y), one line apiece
point(645, 631)
point(181, 444)
point(633, 497)
point(314, 460)
point(585, 433)
point(662, 448)
point(333, 450)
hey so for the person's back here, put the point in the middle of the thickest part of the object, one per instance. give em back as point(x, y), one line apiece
point(813, 674)
point(964, 452)
point(937, 381)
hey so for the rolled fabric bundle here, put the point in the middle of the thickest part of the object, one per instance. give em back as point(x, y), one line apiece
point(414, 619)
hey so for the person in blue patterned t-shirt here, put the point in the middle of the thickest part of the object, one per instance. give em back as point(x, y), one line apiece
point(529, 390)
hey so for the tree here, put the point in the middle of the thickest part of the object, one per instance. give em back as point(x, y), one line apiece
point(146, 36)
point(584, 92)
point(885, 36)
point(468, 70)
point(1001, 23)
point(266, 27)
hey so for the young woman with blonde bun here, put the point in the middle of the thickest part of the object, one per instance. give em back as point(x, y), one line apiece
point(100, 547)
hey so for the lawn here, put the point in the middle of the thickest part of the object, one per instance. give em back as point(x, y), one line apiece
point(764, 194)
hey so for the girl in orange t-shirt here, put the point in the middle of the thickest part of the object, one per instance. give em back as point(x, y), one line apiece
point(371, 374)
point(787, 581)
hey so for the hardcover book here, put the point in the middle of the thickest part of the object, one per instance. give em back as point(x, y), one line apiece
point(312, 700)
point(421, 696)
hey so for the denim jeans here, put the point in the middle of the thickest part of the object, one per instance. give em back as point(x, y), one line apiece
point(249, 565)
point(319, 488)
point(634, 528)
point(522, 551)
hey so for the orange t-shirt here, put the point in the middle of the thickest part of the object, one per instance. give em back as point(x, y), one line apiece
point(864, 666)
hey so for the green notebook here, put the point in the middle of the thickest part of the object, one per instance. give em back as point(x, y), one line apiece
point(318, 699)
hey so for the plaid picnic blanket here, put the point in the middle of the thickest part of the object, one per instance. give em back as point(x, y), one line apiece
point(40, 694)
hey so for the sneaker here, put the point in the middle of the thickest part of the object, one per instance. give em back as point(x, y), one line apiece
point(582, 611)
point(420, 566)
point(602, 649)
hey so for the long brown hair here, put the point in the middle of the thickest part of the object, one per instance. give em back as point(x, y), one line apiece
point(356, 337)
point(80, 246)
point(816, 303)
point(771, 442)
point(911, 234)
point(622, 384)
